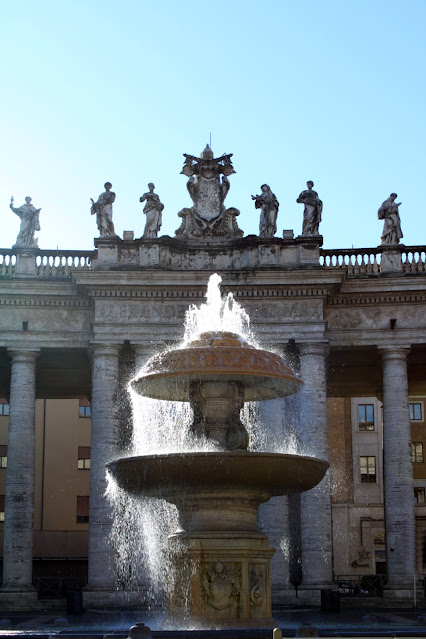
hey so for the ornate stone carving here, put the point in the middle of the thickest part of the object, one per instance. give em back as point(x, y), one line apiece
point(30, 223)
point(221, 585)
point(153, 211)
point(103, 210)
point(269, 205)
point(313, 210)
point(257, 590)
point(208, 216)
point(389, 212)
point(218, 419)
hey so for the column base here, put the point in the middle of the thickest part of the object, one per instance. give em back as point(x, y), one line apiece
point(399, 593)
point(311, 594)
point(102, 598)
point(18, 598)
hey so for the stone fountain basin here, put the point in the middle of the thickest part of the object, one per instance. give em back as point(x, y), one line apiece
point(164, 476)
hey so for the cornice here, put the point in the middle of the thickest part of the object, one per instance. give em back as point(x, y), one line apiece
point(233, 279)
point(357, 299)
point(45, 302)
point(156, 293)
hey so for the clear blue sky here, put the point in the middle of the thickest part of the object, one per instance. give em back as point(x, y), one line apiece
point(332, 91)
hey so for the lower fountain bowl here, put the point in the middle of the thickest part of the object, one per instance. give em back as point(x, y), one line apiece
point(162, 475)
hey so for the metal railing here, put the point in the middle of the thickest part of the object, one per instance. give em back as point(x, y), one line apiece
point(360, 585)
point(52, 587)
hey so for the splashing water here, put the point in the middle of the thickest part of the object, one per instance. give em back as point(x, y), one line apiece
point(217, 314)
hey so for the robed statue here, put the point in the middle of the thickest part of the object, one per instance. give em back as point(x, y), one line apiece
point(103, 211)
point(153, 210)
point(268, 205)
point(312, 212)
point(30, 223)
point(389, 212)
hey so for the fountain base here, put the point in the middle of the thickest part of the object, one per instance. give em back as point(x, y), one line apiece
point(220, 580)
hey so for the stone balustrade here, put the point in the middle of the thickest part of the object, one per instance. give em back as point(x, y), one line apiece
point(7, 262)
point(413, 259)
point(165, 252)
point(364, 261)
point(33, 262)
point(368, 261)
point(61, 263)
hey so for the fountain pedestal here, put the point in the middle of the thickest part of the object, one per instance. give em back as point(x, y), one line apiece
point(219, 580)
point(220, 563)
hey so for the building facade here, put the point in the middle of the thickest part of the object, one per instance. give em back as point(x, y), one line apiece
point(75, 324)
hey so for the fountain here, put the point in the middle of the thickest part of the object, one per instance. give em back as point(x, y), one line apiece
point(220, 561)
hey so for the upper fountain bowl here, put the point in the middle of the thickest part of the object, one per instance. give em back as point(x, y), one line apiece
point(216, 356)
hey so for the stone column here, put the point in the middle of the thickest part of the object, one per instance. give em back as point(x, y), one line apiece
point(142, 354)
point(398, 471)
point(273, 516)
point(104, 440)
point(316, 528)
point(19, 502)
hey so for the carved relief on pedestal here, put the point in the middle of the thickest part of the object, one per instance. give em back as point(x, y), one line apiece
point(221, 586)
point(258, 590)
point(208, 217)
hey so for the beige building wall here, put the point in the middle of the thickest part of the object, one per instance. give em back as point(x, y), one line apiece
point(58, 481)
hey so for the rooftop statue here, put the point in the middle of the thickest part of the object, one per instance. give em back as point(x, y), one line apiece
point(313, 210)
point(269, 205)
point(389, 212)
point(208, 216)
point(153, 211)
point(30, 223)
point(103, 210)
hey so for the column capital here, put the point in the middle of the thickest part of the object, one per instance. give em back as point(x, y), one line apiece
point(394, 352)
point(104, 349)
point(23, 355)
point(150, 349)
point(312, 348)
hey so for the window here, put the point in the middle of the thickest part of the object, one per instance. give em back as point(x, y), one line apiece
point(83, 461)
point(82, 509)
point(416, 411)
point(4, 407)
point(368, 470)
point(417, 452)
point(3, 456)
point(1, 507)
point(84, 408)
point(419, 495)
point(366, 417)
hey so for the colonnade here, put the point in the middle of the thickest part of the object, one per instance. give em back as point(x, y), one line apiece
point(316, 532)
